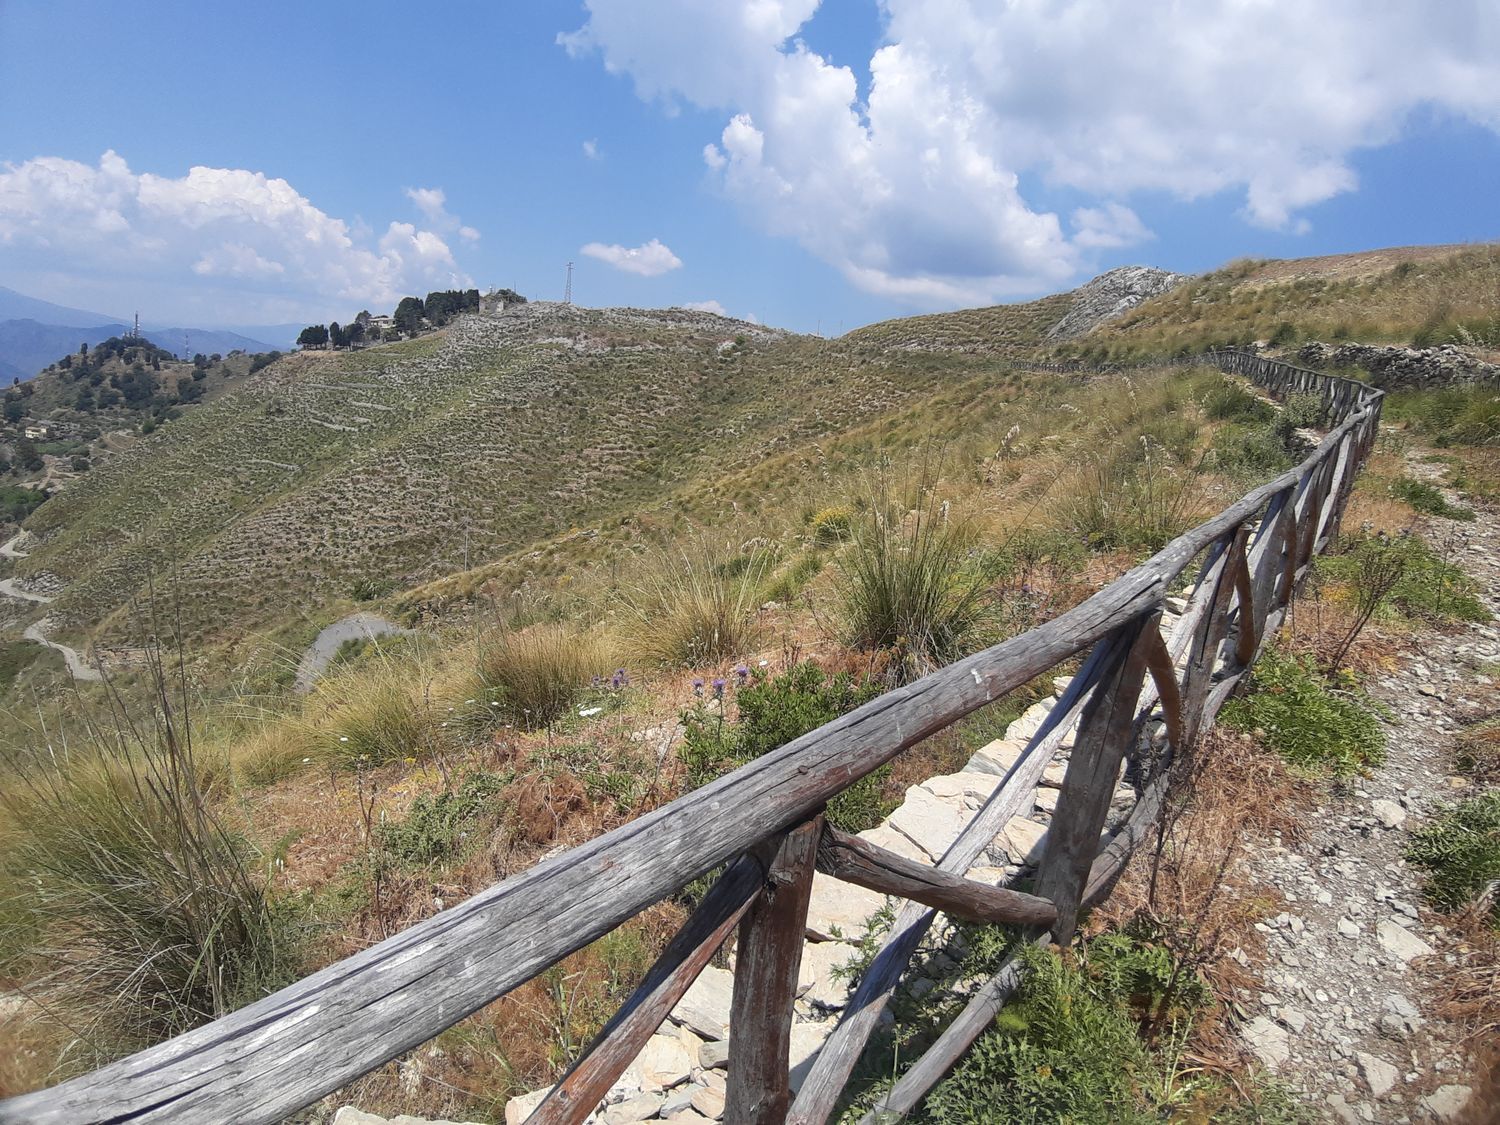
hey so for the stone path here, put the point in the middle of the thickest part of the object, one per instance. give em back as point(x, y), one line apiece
point(10, 549)
point(1344, 1011)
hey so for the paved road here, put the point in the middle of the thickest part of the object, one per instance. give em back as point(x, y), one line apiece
point(80, 668)
point(9, 588)
point(356, 627)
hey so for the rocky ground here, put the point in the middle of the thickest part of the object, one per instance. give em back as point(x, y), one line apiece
point(1345, 1011)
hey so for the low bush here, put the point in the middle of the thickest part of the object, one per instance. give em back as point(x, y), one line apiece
point(1430, 588)
point(1230, 400)
point(1460, 850)
point(831, 525)
point(697, 606)
point(1304, 718)
point(1449, 416)
point(1428, 499)
point(1137, 497)
point(1068, 1046)
point(438, 825)
point(907, 585)
point(773, 710)
point(533, 676)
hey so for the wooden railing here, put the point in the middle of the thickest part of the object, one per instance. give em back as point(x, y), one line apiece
point(763, 823)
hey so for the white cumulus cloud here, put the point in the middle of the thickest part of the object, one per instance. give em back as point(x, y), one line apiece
point(591, 150)
point(433, 203)
point(706, 306)
point(1109, 227)
point(912, 187)
point(222, 242)
point(651, 259)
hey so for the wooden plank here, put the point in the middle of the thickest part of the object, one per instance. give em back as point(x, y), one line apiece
point(1164, 677)
point(865, 864)
point(765, 982)
point(1246, 640)
point(586, 1083)
point(1089, 785)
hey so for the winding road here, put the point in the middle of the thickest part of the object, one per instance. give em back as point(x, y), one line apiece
point(360, 626)
point(78, 667)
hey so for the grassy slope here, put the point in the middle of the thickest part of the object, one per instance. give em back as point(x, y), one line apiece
point(403, 463)
point(1380, 296)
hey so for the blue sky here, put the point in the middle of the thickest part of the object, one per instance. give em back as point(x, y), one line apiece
point(817, 167)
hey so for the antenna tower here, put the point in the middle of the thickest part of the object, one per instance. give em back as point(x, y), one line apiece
point(135, 333)
point(568, 288)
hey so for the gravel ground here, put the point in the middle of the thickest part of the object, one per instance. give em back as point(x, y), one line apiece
point(1345, 1007)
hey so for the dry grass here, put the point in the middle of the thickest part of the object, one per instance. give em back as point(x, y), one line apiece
point(534, 675)
point(1193, 882)
point(698, 604)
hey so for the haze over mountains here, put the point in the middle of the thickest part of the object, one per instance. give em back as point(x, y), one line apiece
point(34, 333)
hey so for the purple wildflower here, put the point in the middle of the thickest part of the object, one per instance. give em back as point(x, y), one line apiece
point(742, 672)
point(718, 689)
point(697, 687)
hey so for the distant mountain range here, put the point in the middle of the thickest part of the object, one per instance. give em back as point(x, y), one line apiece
point(34, 333)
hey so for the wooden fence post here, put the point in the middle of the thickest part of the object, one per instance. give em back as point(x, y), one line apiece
point(1104, 734)
point(765, 983)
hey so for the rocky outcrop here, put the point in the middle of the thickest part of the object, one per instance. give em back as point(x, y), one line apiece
point(1394, 368)
point(1110, 295)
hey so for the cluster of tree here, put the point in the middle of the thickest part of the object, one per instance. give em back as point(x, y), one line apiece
point(413, 315)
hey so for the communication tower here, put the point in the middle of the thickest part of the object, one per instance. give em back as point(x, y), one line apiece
point(568, 288)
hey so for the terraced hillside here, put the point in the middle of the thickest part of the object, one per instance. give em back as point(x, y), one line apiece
point(401, 463)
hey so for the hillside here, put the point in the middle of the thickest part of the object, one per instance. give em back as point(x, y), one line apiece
point(399, 463)
point(601, 557)
point(1423, 295)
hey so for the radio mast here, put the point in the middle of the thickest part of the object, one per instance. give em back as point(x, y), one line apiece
point(568, 288)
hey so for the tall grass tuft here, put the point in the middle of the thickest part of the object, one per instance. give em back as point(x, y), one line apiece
point(907, 584)
point(146, 914)
point(369, 715)
point(1138, 497)
point(697, 605)
point(534, 675)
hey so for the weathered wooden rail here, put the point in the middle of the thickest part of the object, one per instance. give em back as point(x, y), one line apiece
point(763, 823)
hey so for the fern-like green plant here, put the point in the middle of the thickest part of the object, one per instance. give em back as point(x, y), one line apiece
point(1460, 850)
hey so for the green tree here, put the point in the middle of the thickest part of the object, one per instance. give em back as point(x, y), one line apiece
point(337, 336)
point(313, 336)
point(408, 315)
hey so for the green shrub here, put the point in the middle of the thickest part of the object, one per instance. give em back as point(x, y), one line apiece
point(1428, 498)
point(1460, 849)
point(367, 716)
point(773, 710)
point(1231, 401)
point(907, 586)
point(1430, 588)
point(696, 606)
point(1449, 416)
point(1301, 411)
point(1133, 497)
point(831, 525)
point(438, 824)
point(1062, 1050)
point(534, 676)
point(1252, 451)
point(1304, 719)
point(145, 909)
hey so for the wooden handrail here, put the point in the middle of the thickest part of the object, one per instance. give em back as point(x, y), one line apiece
point(289, 1049)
